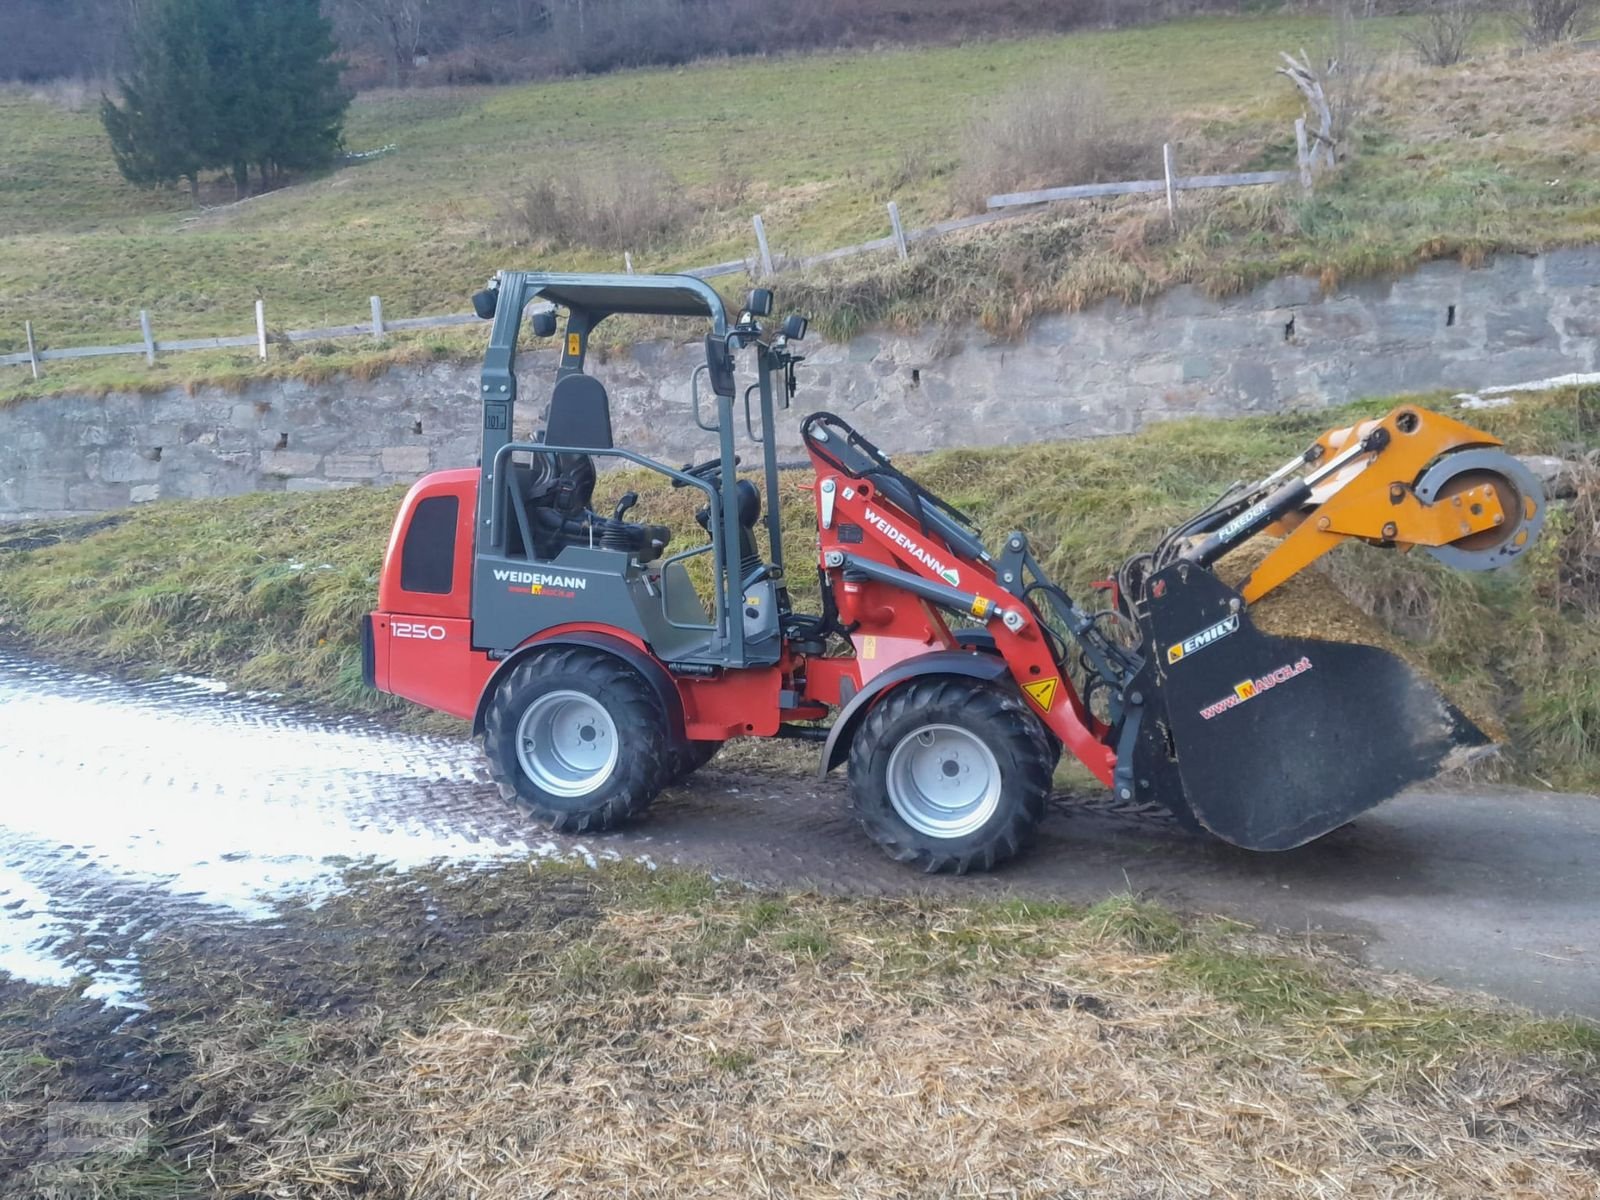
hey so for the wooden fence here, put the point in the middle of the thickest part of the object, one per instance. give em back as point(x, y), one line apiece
point(764, 263)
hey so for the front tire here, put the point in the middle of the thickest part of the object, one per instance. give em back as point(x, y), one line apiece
point(950, 774)
point(578, 739)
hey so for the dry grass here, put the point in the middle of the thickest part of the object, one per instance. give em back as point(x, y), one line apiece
point(618, 1035)
point(628, 206)
point(1064, 131)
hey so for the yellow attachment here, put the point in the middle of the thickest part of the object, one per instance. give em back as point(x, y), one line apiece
point(1372, 497)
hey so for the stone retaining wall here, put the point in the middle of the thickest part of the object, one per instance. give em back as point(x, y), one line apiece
point(1108, 369)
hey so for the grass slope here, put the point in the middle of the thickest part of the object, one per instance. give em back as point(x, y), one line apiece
point(540, 1031)
point(817, 144)
point(266, 590)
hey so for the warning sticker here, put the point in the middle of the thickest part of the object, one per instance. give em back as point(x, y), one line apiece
point(574, 345)
point(1042, 693)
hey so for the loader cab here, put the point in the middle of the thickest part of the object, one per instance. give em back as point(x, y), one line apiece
point(547, 553)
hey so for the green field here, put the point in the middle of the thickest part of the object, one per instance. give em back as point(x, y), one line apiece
point(817, 144)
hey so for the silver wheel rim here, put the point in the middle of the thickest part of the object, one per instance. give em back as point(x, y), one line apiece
point(567, 743)
point(943, 781)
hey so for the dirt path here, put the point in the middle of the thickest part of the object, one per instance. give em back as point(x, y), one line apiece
point(128, 808)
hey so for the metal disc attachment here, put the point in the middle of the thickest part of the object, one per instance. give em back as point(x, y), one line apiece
point(1520, 496)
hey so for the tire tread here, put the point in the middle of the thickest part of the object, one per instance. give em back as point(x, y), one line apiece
point(980, 704)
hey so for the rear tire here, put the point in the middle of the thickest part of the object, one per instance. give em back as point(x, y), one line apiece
point(687, 757)
point(578, 739)
point(950, 774)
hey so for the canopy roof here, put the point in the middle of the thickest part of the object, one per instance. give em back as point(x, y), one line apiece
point(655, 295)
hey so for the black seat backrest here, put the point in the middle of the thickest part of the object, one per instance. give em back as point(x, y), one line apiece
point(580, 414)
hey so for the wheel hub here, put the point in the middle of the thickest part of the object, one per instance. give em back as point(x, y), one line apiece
point(943, 781)
point(567, 743)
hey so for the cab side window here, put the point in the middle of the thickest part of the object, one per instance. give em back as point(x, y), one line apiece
point(428, 558)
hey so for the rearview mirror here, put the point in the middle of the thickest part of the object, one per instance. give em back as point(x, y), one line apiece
point(794, 327)
point(543, 322)
point(485, 302)
point(759, 303)
point(719, 365)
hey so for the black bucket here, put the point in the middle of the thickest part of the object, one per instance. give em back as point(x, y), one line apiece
point(1270, 742)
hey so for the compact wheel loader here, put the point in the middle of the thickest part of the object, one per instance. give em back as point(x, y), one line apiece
point(945, 675)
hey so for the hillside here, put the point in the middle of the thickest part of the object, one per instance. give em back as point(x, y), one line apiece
point(816, 144)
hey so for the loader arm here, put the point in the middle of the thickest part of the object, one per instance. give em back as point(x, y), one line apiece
point(1410, 478)
point(903, 565)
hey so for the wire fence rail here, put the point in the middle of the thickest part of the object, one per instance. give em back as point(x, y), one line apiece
point(1000, 208)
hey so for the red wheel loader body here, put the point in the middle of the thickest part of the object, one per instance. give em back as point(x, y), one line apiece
point(948, 676)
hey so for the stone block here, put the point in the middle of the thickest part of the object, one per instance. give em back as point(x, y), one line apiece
point(1254, 383)
point(1407, 322)
point(1334, 320)
point(319, 485)
point(1290, 291)
point(1525, 325)
point(406, 460)
point(1389, 374)
point(284, 463)
point(127, 466)
point(144, 493)
point(1578, 268)
point(97, 497)
point(864, 349)
point(1197, 367)
point(351, 466)
point(1156, 374)
point(1582, 325)
point(42, 493)
point(190, 485)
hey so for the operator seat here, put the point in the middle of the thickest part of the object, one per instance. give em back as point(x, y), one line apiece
point(580, 417)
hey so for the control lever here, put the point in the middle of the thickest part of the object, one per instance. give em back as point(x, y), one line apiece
point(628, 500)
point(709, 471)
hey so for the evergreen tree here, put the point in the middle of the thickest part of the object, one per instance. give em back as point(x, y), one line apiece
point(161, 131)
point(228, 84)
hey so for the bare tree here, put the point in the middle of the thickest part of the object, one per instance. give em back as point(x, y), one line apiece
point(399, 25)
point(1308, 80)
point(1546, 22)
point(1442, 38)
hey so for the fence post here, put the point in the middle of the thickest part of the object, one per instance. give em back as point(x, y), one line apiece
point(1172, 193)
point(627, 261)
point(761, 241)
point(899, 231)
point(33, 353)
point(377, 318)
point(1302, 152)
point(149, 338)
point(261, 329)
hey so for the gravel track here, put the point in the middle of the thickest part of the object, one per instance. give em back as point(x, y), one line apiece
point(127, 808)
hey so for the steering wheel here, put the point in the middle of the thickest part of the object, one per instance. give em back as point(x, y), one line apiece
point(710, 471)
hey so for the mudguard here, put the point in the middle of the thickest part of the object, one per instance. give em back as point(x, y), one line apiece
point(967, 663)
point(1274, 741)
